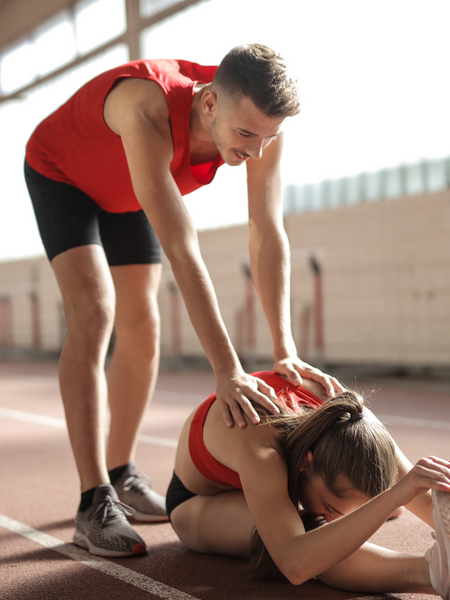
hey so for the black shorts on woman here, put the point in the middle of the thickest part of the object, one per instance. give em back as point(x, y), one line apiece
point(68, 218)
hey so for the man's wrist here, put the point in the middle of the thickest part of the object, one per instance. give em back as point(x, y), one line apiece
point(289, 351)
point(226, 366)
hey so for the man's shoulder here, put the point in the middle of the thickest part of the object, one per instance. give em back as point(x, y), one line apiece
point(176, 70)
point(132, 96)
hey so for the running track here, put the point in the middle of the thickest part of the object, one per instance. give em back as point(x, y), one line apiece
point(39, 495)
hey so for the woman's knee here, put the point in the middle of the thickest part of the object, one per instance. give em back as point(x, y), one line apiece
point(187, 522)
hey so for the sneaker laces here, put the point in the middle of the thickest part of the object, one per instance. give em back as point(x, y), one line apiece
point(110, 508)
point(138, 481)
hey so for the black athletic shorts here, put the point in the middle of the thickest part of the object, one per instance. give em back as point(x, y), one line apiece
point(176, 494)
point(68, 218)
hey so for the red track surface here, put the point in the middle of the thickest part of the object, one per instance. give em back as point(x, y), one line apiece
point(39, 493)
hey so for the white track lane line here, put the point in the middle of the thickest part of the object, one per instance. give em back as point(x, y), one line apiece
point(19, 415)
point(161, 590)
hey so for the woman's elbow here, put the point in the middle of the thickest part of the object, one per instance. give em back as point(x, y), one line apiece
point(295, 573)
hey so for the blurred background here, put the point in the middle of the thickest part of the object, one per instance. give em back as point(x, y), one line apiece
point(366, 172)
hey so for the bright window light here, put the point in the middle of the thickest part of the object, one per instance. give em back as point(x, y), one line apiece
point(415, 179)
point(394, 188)
point(57, 35)
point(17, 68)
point(437, 175)
point(147, 8)
point(98, 22)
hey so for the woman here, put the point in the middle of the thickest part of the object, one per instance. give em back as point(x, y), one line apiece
point(236, 492)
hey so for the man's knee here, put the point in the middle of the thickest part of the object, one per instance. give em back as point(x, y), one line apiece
point(92, 321)
point(141, 326)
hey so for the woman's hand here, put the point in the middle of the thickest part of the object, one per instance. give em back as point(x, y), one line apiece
point(427, 473)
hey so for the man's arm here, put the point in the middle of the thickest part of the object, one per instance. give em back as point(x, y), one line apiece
point(270, 265)
point(139, 114)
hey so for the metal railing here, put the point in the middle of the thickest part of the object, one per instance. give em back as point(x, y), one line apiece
point(396, 182)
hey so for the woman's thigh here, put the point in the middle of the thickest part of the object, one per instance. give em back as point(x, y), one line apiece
point(218, 524)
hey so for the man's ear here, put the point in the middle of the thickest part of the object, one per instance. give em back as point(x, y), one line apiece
point(209, 103)
point(307, 464)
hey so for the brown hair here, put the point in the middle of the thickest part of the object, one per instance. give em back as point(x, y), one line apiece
point(258, 72)
point(360, 450)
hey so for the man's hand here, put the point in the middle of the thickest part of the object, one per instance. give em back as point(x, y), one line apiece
point(234, 392)
point(294, 369)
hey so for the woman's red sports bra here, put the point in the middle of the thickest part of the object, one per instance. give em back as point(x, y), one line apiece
point(208, 466)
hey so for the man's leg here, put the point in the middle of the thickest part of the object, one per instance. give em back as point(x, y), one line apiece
point(88, 295)
point(134, 366)
point(131, 381)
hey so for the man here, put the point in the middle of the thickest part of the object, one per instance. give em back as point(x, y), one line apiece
point(114, 159)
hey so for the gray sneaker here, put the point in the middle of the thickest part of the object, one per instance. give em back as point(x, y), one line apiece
point(135, 490)
point(439, 555)
point(103, 528)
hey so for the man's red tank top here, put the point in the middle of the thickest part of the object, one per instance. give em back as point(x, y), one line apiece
point(208, 466)
point(74, 145)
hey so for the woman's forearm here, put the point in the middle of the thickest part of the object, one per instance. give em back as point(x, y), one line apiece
point(316, 551)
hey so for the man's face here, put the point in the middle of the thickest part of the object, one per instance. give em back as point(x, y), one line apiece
point(241, 131)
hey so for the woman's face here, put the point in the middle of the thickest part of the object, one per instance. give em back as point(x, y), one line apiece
point(318, 500)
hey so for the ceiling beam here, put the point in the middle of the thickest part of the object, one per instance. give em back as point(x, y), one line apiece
point(135, 25)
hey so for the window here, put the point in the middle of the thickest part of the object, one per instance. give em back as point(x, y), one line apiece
point(147, 8)
point(414, 179)
point(355, 191)
point(17, 68)
point(57, 34)
point(98, 22)
point(336, 192)
point(394, 187)
point(290, 199)
point(436, 175)
point(373, 186)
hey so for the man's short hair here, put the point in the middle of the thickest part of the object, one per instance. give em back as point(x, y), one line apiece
point(258, 72)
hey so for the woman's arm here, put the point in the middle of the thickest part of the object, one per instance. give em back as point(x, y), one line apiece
point(300, 555)
point(421, 506)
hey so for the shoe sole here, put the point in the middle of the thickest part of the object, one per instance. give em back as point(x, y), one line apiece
point(441, 517)
point(83, 541)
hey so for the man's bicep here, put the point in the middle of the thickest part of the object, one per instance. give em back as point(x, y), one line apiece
point(149, 151)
